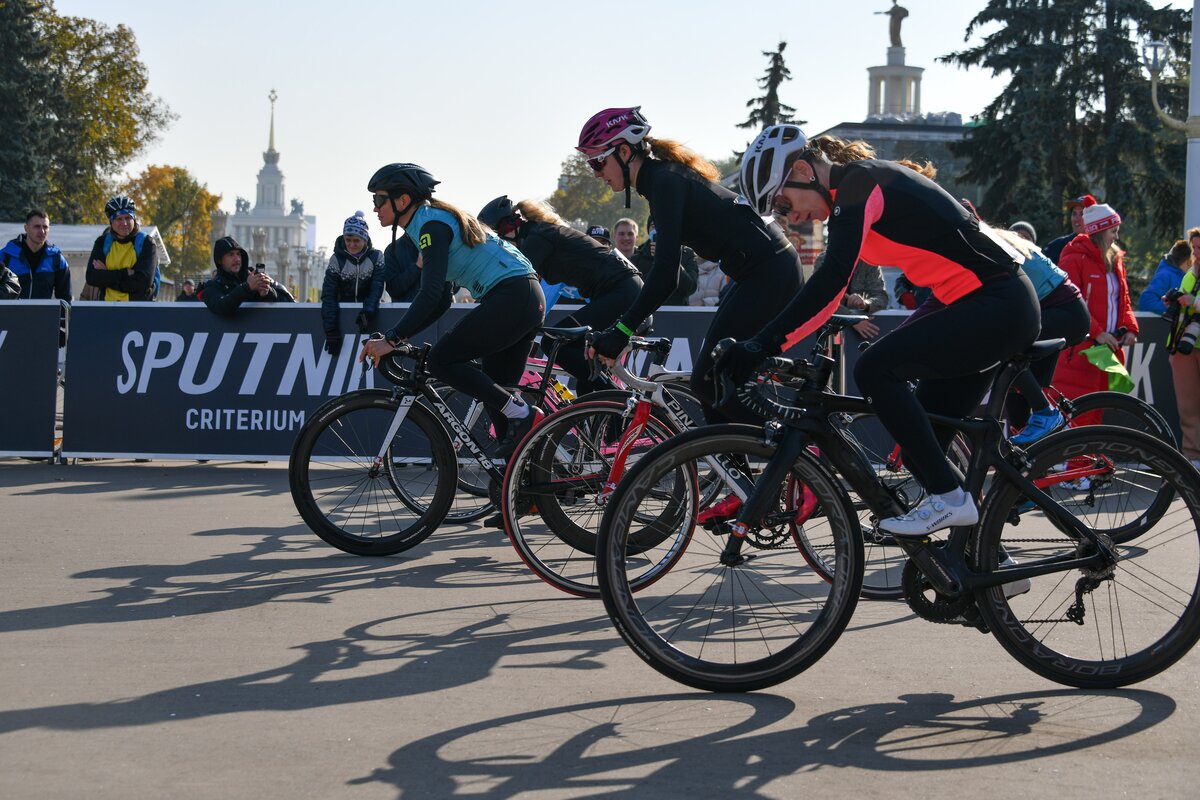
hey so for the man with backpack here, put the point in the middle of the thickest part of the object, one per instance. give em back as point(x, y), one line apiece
point(123, 265)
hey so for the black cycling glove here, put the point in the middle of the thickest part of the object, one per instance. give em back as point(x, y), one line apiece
point(742, 360)
point(611, 342)
point(364, 322)
point(333, 343)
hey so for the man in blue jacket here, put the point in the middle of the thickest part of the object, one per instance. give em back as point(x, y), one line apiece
point(39, 266)
point(1167, 276)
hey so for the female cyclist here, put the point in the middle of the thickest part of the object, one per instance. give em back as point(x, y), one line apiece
point(454, 247)
point(561, 254)
point(690, 207)
point(886, 213)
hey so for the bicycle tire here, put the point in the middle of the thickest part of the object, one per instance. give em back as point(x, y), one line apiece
point(1125, 411)
point(553, 484)
point(684, 613)
point(359, 506)
point(1135, 619)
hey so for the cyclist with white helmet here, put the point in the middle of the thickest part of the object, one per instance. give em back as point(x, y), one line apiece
point(886, 213)
point(690, 207)
point(455, 248)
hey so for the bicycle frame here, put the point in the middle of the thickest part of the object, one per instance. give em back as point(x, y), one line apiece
point(945, 566)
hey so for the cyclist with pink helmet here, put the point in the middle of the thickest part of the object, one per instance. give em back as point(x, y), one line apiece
point(690, 207)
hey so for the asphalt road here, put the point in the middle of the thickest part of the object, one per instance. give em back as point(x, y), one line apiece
point(174, 630)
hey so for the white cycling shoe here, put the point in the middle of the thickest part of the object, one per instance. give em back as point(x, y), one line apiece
point(935, 512)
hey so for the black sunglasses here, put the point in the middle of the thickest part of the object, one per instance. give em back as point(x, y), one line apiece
point(379, 199)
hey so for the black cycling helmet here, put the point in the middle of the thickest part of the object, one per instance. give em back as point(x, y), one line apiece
point(120, 205)
point(496, 210)
point(403, 178)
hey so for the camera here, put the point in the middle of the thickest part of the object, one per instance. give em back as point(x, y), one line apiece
point(1171, 299)
point(260, 267)
point(1187, 340)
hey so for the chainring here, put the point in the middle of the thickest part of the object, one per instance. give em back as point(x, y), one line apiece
point(941, 608)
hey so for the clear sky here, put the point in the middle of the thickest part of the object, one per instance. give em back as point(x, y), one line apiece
point(490, 96)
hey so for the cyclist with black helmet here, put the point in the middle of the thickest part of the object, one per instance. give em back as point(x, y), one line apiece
point(886, 213)
point(455, 247)
point(690, 208)
point(124, 259)
point(561, 254)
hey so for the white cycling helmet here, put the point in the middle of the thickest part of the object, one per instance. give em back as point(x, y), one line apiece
point(763, 169)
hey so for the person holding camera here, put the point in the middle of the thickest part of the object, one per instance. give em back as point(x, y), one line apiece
point(1185, 357)
point(234, 282)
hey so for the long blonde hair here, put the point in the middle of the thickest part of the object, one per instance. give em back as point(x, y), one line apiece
point(833, 150)
point(671, 150)
point(537, 211)
point(473, 232)
point(1019, 243)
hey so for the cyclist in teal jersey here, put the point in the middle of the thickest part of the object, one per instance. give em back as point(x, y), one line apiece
point(455, 248)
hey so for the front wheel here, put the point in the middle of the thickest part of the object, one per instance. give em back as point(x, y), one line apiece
point(720, 627)
point(1097, 627)
point(367, 492)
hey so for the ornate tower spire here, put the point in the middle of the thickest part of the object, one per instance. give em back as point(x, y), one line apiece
point(272, 155)
point(270, 178)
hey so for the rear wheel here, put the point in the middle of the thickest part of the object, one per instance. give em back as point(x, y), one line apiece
point(1102, 626)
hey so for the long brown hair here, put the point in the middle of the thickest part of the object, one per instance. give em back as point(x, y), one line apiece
point(473, 232)
point(671, 150)
point(536, 211)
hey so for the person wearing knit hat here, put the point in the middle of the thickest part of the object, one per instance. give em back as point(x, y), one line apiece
point(1025, 230)
point(1074, 207)
point(355, 274)
point(1095, 264)
point(1099, 217)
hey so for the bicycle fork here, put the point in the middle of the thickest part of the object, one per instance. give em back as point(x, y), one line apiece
point(764, 493)
point(398, 418)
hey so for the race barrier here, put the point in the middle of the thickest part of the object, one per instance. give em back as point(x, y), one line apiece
point(157, 380)
point(29, 366)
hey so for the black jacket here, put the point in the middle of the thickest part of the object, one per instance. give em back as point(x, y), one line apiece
point(561, 254)
point(224, 293)
point(138, 282)
point(689, 272)
point(10, 287)
point(351, 279)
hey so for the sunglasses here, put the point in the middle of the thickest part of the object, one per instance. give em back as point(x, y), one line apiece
point(379, 200)
point(596, 163)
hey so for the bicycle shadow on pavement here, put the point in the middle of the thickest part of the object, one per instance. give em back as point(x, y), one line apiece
point(288, 565)
point(736, 746)
point(404, 655)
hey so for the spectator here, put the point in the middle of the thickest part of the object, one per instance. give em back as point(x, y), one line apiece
point(1025, 230)
point(626, 233)
point(1185, 367)
point(355, 274)
point(1095, 264)
point(709, 283)
point(39, 267)
point(909, 295)
point(600, 234)
point(865, 294)
point(643, 259)
point(234, 283)
point(124, 259)
point(1075, 207)
point(10, 287)
point(1167, 276)
point(187, 293)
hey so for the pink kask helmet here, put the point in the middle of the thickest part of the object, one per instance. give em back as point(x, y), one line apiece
point(611, 126)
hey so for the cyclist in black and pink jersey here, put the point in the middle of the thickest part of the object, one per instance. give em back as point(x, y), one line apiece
point(690, 207)
point(887, 213)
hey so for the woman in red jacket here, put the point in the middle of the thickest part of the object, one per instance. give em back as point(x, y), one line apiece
point(1095, 264)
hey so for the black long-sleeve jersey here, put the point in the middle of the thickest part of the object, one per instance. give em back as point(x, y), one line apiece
point(561, 254)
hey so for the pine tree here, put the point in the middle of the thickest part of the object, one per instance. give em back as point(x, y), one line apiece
point(1075, 116)
point(769, 109)
point(25, 145)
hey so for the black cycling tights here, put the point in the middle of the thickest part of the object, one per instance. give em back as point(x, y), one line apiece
point(748, 304)
point(602, 311)
point(498, 332)
point(953, 352)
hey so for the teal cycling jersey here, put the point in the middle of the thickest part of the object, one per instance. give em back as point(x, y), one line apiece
point(477, 268)
point(1043, 274)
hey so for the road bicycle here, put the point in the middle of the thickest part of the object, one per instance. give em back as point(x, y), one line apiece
point(750, 606)
point(375, 472)
point(561, 475)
